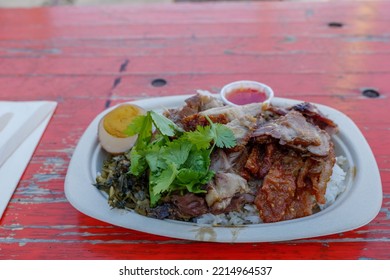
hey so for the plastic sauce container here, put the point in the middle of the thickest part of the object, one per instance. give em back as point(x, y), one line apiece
point(246, 92)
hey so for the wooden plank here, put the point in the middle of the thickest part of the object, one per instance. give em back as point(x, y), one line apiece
point(138, 31)
point(284, 45)
point(167, 250)
point(63, 88)
point(222, 64)
point(207, 12)
point(184, 20)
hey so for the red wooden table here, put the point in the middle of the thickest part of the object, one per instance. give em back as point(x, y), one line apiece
point(89, 58)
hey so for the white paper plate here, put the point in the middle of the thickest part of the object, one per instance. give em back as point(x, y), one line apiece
point(357, 206)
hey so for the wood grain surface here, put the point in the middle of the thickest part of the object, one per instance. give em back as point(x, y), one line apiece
point(90, 58)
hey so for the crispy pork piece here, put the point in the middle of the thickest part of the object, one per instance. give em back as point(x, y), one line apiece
point(253, 163)
point(294, 131)
point(293, 185)
point(279, 198)
point(316, 173)
point(260, 160)
point(195, 104)
point(190, 122)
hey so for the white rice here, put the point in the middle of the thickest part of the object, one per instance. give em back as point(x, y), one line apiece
point(250, 214)
point(336, 185)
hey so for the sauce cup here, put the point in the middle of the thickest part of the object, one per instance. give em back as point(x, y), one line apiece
point(246, 92)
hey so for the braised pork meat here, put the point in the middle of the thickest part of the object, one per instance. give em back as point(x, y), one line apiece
point(295, 131)
point(296, 158)
point(290, 156)
point(293, 185)
point(222, 189)
point(315, 116)
point(283, 164)
point(193, 105)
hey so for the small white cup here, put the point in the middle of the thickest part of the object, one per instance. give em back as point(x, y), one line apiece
point(269, 94)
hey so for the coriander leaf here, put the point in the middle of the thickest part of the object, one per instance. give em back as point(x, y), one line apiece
point(160, 182)
point(153, 158)
point(201, 137)
point(135, 126)
point(141, 125)
point(187, 176)
point(198, 160)
point(138, 163)
point(154, 198)
point(164, 125)
point(223, 136)
point(193, 180)
point(177, 152)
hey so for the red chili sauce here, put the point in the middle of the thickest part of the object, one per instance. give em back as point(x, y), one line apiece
point(244, 96)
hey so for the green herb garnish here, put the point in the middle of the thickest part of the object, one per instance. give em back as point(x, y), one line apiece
point(177, 160)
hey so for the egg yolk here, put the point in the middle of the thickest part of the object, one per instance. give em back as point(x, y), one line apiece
point(116, 121)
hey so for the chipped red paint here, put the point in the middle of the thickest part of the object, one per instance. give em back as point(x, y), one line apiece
point(87, 58)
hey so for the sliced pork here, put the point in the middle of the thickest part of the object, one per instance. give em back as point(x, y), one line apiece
point(294, 131)
point(228, 161)
point(235, 112)
point(315, 116)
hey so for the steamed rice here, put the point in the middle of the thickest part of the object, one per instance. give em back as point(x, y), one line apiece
point(336, 185)
point(248, 215)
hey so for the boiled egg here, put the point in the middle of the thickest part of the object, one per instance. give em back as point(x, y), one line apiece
point(112, 126)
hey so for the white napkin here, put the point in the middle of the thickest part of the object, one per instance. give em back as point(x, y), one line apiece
point(13, 168)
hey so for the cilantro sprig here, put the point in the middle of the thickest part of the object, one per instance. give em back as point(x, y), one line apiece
point(176, 160)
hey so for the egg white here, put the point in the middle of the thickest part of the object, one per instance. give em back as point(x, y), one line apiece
point(114, 144)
